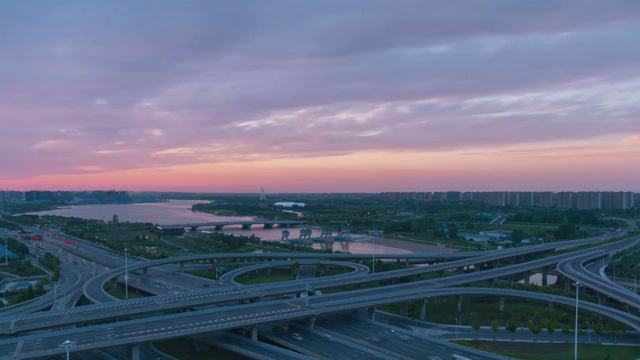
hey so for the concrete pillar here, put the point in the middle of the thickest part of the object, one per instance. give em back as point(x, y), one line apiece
point(545, 271)
point(311, 322)
point(527, 274)
point(181, 266)
point(460, 269)
point(423, 309)
point(269, 272)
point(372, 313)
point(144, 271)
point(490, 282)
point(501, 306)
point(551, 306)
point(254, 333)
point(459, 303)
point(477, 267)
point(133, 352)
point(441, 273)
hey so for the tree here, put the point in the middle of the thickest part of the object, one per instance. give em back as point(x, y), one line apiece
point(475, 325)
point(495, 326)
point(512, 326)
point(452, 231)
point(550, 327)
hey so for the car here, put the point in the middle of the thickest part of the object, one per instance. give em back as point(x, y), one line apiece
point(296, 336)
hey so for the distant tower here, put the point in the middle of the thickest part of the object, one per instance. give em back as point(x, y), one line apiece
point(262, 193)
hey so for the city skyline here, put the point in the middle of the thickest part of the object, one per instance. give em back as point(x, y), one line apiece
point(364, 96)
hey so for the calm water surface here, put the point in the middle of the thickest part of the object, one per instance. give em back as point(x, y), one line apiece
point(178, 212)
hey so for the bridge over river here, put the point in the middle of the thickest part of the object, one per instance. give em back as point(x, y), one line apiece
point(246, 224)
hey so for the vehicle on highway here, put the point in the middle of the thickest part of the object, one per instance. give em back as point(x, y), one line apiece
point(296, 336)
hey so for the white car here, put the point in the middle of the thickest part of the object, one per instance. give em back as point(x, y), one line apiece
point(296, 336)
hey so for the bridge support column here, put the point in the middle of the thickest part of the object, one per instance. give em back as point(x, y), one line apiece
point(477, 267)
point(423, 309)
point(254, 333)
point(311, 322)
point(441, 273)
point(269, 272)
point(372, 312)
point(133, 352)
point(144, 271)
point(490, 282)
point(459, 303)
point(501, 306)
point(181, 266)
point(527, 275)
point(404, 308)
point(545, 274)
point(551, 307)
point(246, 226)
point(460, 269)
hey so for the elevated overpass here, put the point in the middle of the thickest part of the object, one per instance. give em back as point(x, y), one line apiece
point(246, 224)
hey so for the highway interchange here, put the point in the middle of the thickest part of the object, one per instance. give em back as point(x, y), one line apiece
point(258, 310)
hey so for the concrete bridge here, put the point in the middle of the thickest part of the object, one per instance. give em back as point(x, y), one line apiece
point(246, 224)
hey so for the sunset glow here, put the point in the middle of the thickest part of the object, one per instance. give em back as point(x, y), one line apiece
point(325, 96)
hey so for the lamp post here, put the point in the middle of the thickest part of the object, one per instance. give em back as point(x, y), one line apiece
point(575, 348)
point(589, 332)
point(126, 274)
point(67, 344)
point(531, 329)
point(457, 326)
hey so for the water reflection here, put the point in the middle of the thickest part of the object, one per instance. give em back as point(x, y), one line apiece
point(179, 212)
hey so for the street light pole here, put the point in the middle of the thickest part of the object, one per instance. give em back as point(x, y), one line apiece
point(531, 330)
point(126, 274)
point(457, 326)
point(67, 344)
point(575, 348)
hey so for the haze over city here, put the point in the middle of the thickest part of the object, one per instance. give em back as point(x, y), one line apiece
point(314, 96)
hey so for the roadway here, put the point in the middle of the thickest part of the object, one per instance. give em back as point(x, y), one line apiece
point(119, 309)
point(247, 315)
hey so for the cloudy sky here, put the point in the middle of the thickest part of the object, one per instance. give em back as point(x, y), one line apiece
point(303, 95)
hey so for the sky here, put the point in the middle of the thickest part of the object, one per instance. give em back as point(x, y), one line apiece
point(320, 95)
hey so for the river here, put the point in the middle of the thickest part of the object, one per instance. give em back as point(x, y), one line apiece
point(179, 212)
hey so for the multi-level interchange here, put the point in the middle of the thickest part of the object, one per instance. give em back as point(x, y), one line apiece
point(207, 311)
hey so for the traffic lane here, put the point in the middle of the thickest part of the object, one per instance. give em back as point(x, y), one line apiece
point(142, 330)
point(248, 347)
point(377, 338)
point(314, 344)
point(397, 340)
